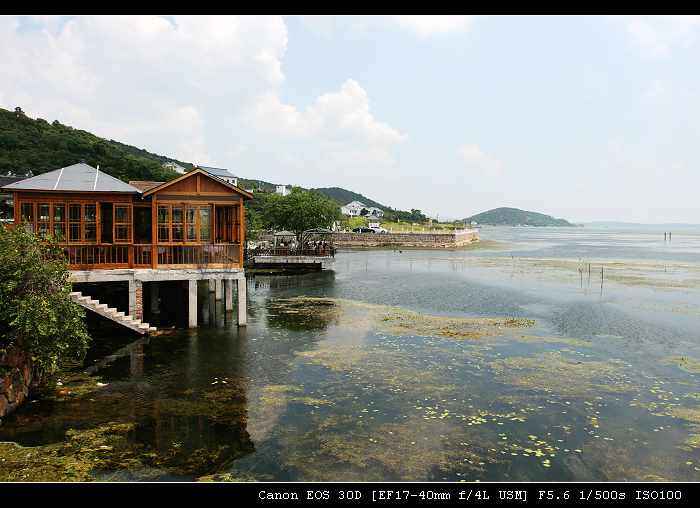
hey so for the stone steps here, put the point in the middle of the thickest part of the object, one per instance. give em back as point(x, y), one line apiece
point(111, 313)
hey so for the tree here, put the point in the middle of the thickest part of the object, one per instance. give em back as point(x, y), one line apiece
point(357, 222)
point(37, 315)
point(299, 211)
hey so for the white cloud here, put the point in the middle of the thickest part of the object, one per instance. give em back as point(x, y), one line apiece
point(344, 114)
point(203, 89)
point(428, 25)
point(657, 36)
point(477, 161)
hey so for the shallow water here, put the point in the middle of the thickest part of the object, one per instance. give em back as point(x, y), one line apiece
point(385, 369)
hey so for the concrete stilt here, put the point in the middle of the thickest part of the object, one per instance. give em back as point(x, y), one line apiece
point(228, 294)
point(192, 303)
point(155, 298)
point(219, 291)
point(136, 299)
point(242, 302)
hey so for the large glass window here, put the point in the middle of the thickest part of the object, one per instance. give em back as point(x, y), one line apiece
point(90, 215)
point(59, 221)
point(205, 223)
point(177, 231)
point(191, 220)
point(74, 213)
point(44, 219)
point(28, 212)
point(122, 223)
point(163, 223)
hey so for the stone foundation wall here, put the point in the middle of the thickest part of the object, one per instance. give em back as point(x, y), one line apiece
point(17, 379)
point(416, 240)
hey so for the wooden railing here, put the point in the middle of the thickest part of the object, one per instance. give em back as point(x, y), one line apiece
point(321, 251)
point(219, 254)
point(93, 256)
point(108, 256)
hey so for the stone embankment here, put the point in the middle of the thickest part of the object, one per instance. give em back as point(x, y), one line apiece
point(432, 240)
point(17, 379)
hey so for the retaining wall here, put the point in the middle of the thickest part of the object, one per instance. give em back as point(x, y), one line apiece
point(17, 379)
point(418, 240)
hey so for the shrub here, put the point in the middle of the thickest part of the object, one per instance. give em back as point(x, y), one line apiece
point(36, 314)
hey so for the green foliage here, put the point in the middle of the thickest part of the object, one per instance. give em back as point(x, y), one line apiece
point(37, 314)
point(516, 217)
point(357, 222)
point(298, 211)
point(253, 223)
point(414, 215)
point(36, 145)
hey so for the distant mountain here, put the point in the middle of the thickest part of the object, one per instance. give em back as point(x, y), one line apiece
point(516, 217)
point(344, 196)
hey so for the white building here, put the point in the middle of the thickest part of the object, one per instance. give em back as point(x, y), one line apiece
point(175, 167)
point(373, 211)
point(282, 190)
point(223, 174)
point(353, 209)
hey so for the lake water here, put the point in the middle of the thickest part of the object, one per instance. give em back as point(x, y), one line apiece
point(516, 362)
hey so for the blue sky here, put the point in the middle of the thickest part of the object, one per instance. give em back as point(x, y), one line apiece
point(588, 118)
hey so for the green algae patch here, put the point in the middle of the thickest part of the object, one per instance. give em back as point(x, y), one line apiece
point(78, 458)
point(303, 313)
point(413, 323)
point(689, 414)
point(129, 430)
point(411, 450)
point(392, 320)
point(537, 339)
point(340, 358)
point(553, 372)
point(685, 363)
point(284, 394)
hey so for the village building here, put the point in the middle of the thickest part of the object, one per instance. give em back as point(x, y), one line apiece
point(188, 229)
point(353, 209)
point(375, 212)
point(174, 166)
point(282, 190)
point(359, 209)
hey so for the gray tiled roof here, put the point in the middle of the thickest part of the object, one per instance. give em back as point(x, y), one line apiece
point(78, 177)
point(220, 172)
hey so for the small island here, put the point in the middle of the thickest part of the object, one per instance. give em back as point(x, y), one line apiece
point(515, 217)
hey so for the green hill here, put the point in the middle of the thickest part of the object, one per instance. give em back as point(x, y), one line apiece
point(516, 217)
point(33, 144)
point(36, 145)
point(344, 196)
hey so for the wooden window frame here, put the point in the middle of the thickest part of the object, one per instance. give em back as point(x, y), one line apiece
point(129, 223)
point(63, 222)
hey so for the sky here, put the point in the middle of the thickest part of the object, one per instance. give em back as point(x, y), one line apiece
point(586, 118)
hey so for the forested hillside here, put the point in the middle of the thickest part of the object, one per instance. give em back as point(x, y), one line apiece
point(516, 217)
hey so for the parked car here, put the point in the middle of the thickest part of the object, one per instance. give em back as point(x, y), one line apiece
point(376, 226)
point(363, 230)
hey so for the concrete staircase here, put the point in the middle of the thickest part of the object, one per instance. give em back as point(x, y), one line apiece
point(111, 313)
